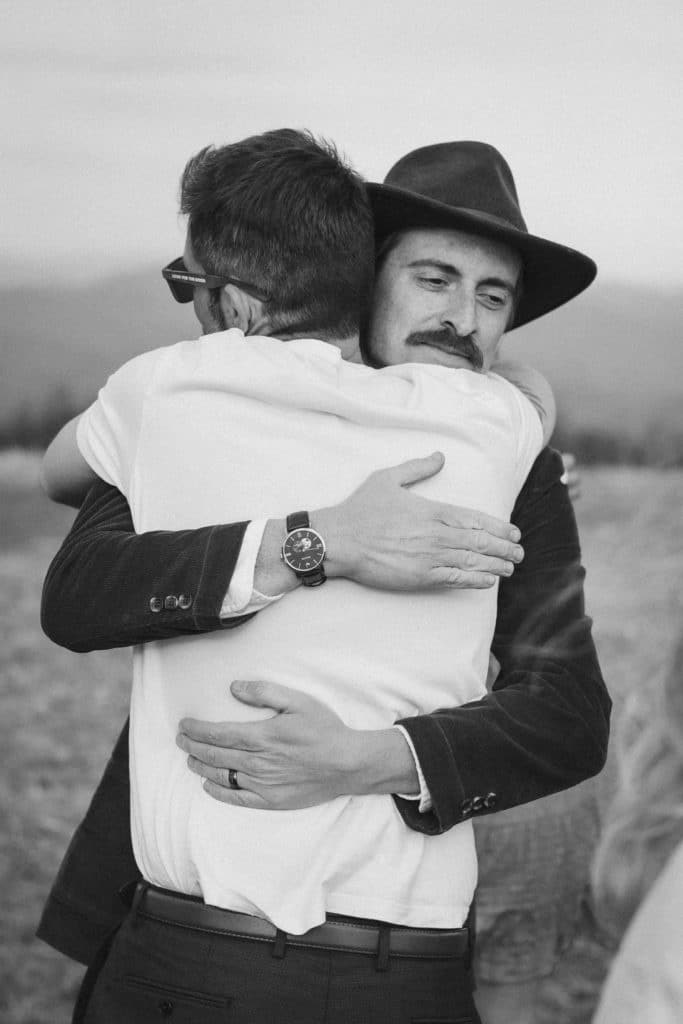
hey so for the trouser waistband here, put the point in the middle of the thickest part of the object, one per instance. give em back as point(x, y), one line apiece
point(353, 935)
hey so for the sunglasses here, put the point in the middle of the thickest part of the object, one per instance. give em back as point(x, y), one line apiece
point(183, 282)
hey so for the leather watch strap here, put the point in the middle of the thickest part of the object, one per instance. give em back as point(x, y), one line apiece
point(297, 521)
point(314, 578)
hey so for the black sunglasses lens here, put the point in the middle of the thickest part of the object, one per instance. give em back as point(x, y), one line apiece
point(181, 291)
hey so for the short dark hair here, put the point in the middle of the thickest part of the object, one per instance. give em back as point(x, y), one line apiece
point(284, 212)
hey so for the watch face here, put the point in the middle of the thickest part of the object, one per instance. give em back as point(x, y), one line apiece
point(303, 550)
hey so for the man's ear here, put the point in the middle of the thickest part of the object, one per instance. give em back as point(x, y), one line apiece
point(241, 309)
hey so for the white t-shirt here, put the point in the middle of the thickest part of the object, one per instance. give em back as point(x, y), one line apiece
point(207, 431)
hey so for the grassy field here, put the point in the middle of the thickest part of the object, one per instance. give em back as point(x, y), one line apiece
point(60, 712)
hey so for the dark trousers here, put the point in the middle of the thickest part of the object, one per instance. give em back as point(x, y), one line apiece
point(157, 971)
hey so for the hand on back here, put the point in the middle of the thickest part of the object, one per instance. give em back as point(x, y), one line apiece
point(385, 536)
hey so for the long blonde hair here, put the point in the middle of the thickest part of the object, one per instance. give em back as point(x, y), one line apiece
point(645, 821)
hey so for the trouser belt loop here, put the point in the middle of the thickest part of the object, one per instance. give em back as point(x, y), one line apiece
point(140, 891)
point(279, 947)
point(383, 948)
point(471, 925)
point(127, 892)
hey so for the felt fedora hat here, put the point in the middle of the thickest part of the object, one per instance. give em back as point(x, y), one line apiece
point(469, 187)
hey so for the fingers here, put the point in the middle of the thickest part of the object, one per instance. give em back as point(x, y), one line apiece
point(484, 551)
point(217, 785)
point(236, 797)
point(462, 579)
point(469, 561)
point(481, 522)
point(245, 735)
point(281, 798)
point(214, 757)
point(464, 568)
point(220, 776)
point(239, 735)
point(414, 470)
point(260, 694)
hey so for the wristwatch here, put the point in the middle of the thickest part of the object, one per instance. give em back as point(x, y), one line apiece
point(304, 550)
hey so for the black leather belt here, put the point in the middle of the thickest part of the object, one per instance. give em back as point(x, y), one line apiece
point(351, 935)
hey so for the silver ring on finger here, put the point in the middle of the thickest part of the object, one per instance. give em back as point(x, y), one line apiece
point(232, 779)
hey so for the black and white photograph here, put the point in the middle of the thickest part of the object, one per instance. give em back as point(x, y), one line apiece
point(341, 512)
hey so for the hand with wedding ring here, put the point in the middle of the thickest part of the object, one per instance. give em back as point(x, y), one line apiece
point(304, 755)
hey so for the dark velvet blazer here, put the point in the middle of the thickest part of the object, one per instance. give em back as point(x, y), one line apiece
point(543, 728)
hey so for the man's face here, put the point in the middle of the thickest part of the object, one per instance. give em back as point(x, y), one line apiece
point(443, 297)
point(206, 306)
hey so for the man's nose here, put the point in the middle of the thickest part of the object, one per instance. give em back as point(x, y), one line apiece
point(462, 314)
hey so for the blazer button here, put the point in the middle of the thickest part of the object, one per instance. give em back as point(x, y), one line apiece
point(171, 602)
point(184, 601)
point(477, 803)
point(490, 801)
point(155, 604)
point(466, 807)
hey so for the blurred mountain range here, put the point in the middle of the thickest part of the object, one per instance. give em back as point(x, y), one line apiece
point(614, 356)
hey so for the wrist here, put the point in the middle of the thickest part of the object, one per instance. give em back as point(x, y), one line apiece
point(330, 524)
point(271, 575)
point(380, 761)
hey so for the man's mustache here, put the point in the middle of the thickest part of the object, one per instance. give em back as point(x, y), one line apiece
point(461, 344)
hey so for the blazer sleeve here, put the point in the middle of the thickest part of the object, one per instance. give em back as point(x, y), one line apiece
point(545, 725)
point(110, 587)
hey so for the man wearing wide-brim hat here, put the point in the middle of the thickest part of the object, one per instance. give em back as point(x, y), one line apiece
point(545, 725)
point(532, 873)
point(468, 187)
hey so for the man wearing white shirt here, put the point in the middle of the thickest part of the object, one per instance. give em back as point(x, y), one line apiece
point(333, 421)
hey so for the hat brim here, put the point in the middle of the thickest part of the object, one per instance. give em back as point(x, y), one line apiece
point(553, 274)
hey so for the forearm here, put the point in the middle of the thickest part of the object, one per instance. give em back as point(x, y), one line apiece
point(107, 586)
point(535, 736)
point(380, 761)
point(545, 725)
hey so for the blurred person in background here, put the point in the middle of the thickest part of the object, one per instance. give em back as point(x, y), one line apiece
point(638, 869)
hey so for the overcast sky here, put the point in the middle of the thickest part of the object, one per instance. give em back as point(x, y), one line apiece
point(103, 102)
